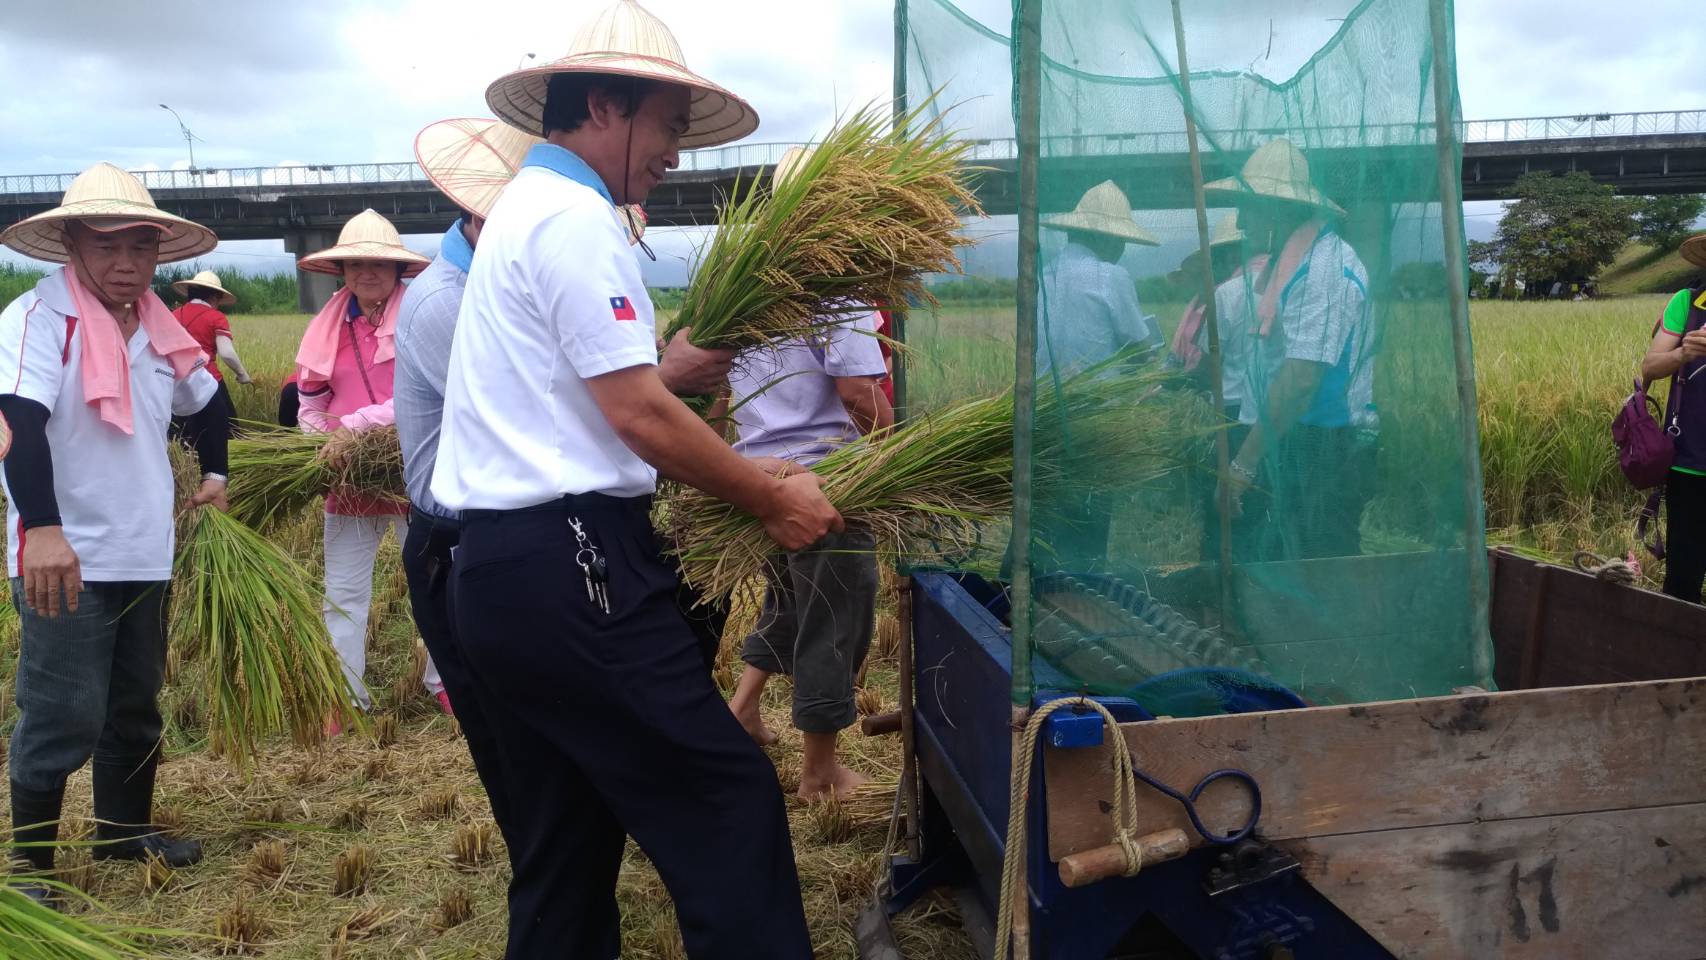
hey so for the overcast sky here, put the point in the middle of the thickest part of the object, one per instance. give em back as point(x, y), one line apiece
point(343, 81)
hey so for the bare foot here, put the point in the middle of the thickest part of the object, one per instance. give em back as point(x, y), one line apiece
point(841, 782)
point(751, 722)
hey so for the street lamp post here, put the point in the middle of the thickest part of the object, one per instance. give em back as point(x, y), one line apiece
point(189, 138)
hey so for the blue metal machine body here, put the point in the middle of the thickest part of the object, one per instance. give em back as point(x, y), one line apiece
point(963, 745)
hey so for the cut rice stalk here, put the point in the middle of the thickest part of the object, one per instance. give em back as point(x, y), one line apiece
point(860, 221)
point(33, 931)
point(253, 619)
point(277, 473)
point(927, 488)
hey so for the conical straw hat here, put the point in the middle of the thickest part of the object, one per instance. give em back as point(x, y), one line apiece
point(1104, 210)
point(1226, 231)
point(1694, 249)
point(368, 236)
point(207, 280)
point(791, 161)
point(470, 161)
point(1278, 171)
point(626, 40)
point(112, 199)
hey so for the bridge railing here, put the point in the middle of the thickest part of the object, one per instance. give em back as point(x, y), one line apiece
point(1585, 125)
point(753, 155)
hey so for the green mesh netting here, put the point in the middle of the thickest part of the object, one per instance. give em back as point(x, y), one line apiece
point(1345, 562)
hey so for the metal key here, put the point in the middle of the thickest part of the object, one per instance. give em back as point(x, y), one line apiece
point(594, 571)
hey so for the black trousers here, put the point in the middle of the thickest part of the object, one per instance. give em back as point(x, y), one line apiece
point(426, 564)
point(1685, 535)
point(221, 395)
point(611, 722)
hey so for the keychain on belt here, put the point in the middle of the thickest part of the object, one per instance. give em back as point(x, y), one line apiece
point(593, 568)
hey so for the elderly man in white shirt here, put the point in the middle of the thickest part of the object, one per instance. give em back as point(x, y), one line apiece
point(556, 426)
point(94, 368)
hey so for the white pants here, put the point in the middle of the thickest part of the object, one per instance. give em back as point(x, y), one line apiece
point(352, 544)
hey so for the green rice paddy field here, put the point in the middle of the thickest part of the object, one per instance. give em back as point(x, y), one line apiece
point(404, 802)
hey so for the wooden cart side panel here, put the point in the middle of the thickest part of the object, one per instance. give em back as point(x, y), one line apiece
point(1617, 883)
point(1402, 764)
point(1557, 627)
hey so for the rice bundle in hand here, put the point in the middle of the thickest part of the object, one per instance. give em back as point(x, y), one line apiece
point(276, 473)
point(252, 620)
point(860, 220)
point(926, 487)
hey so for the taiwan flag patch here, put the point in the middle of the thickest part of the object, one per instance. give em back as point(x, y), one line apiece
point(622, 309)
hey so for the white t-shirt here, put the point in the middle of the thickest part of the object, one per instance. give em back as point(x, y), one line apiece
point(784, 398)
point(115, 490)
point(1323, 317)
point(554, 297)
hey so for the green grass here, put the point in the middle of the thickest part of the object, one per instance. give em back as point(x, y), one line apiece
point(1641, 269)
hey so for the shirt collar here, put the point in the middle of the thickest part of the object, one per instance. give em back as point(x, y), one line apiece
point(455, 248)
point(565, 163)
point(201, 301)
point(354, 308)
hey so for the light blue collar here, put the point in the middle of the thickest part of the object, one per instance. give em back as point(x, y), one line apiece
point(455, 249)
point(566, 164)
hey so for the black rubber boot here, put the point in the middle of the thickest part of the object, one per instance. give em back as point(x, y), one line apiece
point(35, 820)
point(124, 812)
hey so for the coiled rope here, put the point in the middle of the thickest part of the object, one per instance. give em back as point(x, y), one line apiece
point(1013, 883)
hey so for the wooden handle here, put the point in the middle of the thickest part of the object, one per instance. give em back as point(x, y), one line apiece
point(1083, 869)
point(880, 724)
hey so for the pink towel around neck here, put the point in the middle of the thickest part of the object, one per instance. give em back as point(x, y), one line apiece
point(319, 350)
point(1291, 259)
point(1185, 348)
point(106, 355)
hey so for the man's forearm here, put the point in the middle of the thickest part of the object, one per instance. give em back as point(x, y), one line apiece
point(209, 432)
point(29, 463)
point(1288, 399)
point(662, 431)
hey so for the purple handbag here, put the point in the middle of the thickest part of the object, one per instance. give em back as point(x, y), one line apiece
point(1646, 450)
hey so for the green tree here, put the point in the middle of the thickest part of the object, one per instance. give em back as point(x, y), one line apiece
point(1664, 222)
point(1563, 227)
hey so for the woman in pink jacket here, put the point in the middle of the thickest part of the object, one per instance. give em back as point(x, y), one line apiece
point(344, 369)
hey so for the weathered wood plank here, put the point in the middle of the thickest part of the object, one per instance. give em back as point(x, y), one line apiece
point(1589, 630)
point(1401, 764)
point(1621, 883)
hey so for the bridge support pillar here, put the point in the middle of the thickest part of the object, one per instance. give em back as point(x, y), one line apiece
point(312, 289)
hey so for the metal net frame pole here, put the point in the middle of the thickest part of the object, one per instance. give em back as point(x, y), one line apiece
point(1449, 163)
point(1211, 320)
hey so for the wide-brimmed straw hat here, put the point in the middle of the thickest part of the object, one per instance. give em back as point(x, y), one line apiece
point(1103, 210)
point(207, 280)
point(106, 198)
point(470, 160)
point(1276, 171)
point(1694, 249)
point(368, 236)
point(626, 40)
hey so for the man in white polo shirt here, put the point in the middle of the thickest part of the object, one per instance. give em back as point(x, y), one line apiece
point(555, 428)
point(92, 369)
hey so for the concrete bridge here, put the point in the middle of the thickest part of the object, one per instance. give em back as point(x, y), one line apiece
point(1639, 153)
